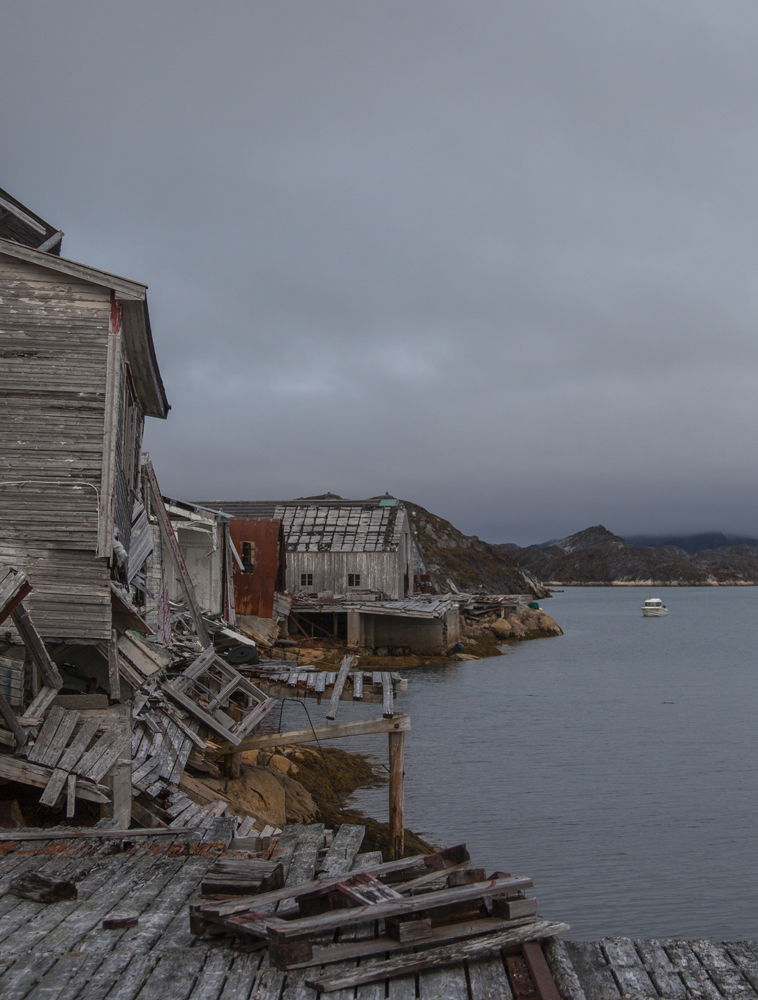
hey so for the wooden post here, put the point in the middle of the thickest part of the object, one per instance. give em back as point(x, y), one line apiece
point(114, 677)
point(397, 785)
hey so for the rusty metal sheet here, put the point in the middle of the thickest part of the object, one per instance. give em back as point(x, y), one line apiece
point(260, 544)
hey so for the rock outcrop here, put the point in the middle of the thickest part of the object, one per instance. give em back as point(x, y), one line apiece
point(467, 562)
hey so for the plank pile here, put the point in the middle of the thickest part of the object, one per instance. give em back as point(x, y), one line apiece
point(306, 681)
point(397, 918)
point(70, 752)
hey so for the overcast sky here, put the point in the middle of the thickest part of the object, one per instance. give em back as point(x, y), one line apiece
point(499, 258)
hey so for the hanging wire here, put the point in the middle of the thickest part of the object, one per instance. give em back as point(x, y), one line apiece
point(299, 701)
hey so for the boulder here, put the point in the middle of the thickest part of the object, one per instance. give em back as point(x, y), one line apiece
point(502, 628)
point(549, 625)
point(266, 794)
point(299, 804)
point(518, 631)
point(280, 763)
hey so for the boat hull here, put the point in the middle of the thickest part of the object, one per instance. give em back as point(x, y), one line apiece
point(654, 612)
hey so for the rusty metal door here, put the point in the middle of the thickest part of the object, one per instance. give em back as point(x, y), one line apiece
point(260, 545)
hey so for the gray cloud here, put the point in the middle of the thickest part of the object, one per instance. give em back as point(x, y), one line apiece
point(496, 258)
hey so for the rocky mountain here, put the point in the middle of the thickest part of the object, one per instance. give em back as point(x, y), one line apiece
point(692, 544)
point(465, 560)
point(597, 557)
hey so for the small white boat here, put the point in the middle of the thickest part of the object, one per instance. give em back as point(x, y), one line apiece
point(654, 608)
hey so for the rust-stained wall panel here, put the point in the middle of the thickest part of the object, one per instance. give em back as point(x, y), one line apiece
point(254, 591)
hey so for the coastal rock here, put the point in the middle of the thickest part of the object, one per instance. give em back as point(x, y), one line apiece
point(518, 631)
point(465, 561)
point(280, 763)
point(299, 805)
point(549, 625)
point(502, 628)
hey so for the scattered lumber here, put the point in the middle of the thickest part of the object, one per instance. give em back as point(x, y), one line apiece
point(242, 877)
point(434, 958)
point(42, 888)
point(119, 923)
point(14, 587)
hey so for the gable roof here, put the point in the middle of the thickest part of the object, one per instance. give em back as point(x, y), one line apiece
point(335, 525)
point(132, 296)
point(18, 223)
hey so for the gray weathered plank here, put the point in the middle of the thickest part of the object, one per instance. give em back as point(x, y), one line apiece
point(627, 967)
point(345, 846)
point(302, 867)
point(658, 965)
point(722, 970)
point(489, 980)
point(46, 734)
point(339, 685)
point(690, 970)
point(593, 971)
point(443, 984)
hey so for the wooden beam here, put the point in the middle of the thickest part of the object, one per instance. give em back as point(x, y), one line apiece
point(397, 792)
point(229, 552)
point(36, 647)
point(114, 677)
point(106, 516)
point(387, 695)
point(172, 544)
point(542, 978)
point(399, 723)
point(92, 834)
point(11, 720)
point(14, 587)
point(339, 684)
point(433, 958)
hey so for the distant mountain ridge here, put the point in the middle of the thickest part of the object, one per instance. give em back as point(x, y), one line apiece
point(597, 557)
point(692, 543)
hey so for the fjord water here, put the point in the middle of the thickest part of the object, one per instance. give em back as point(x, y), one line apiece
point(616, 764)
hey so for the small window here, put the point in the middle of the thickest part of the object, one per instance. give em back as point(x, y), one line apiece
point(248, 556)
point(306, 579)
point(353, 579)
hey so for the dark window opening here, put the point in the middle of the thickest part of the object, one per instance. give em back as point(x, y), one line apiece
point(353, 579)
point(248, 556)
point(306, 579)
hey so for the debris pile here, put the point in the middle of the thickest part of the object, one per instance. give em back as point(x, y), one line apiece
point(396, 918)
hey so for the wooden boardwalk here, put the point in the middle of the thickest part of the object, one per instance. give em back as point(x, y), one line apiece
point(619, 968)
point(60, 951)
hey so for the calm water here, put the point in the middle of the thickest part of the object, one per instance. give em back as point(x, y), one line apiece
point(616, 765)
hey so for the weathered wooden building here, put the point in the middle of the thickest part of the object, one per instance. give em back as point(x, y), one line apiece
point(337, 546)
point(78, 376)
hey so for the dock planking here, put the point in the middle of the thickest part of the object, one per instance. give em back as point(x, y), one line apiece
point(60, 950)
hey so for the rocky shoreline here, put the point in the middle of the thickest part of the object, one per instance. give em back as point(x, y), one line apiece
point(300, 784)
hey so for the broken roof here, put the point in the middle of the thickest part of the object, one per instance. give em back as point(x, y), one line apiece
point(19, 223)
point(328, 523)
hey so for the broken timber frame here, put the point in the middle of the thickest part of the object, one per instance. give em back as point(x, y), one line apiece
point(396, 727)
point(172, 543)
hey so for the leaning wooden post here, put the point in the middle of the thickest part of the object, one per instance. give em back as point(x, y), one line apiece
point(397, 783)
